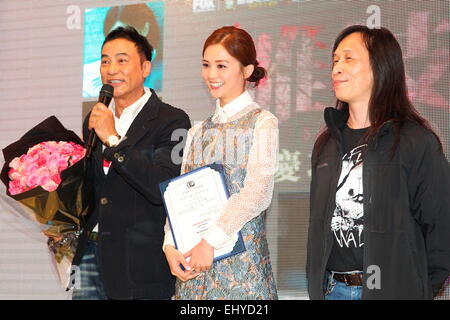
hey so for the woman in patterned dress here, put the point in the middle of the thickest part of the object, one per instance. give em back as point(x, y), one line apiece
point(229, 63)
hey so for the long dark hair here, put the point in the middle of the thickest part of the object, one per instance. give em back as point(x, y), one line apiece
point(389, 98)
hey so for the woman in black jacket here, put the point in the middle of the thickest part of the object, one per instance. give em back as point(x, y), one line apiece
point(380, 211)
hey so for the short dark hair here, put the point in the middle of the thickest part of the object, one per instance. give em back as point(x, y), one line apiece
point(144, 48)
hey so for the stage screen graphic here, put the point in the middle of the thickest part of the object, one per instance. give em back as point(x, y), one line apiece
point(293, 40)
point(147, 18)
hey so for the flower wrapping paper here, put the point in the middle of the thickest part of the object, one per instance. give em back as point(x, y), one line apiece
point(62, 211)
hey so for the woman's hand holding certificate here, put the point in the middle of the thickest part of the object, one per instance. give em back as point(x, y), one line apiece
point(176, 261)
point(201, 256)
point(193, 202)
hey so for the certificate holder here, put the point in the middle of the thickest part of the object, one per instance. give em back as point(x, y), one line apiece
point(193, 202)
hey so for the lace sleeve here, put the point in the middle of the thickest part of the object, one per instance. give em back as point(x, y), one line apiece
point(256, 194)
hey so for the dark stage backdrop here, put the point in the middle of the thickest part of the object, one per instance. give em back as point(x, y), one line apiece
point(49, 61)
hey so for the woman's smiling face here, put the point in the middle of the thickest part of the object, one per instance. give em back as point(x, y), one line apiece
point(223, 74)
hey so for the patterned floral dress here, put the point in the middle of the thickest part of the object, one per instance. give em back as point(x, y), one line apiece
point(248, 275)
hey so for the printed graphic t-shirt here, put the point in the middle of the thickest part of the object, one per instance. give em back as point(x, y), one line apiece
point(347, 222)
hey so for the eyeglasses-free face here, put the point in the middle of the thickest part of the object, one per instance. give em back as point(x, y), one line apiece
point(123, 67)
point(352, 74)
point(223, 74)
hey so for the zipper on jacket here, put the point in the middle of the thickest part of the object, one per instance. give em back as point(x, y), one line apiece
point(367, 202)
point(366, 208)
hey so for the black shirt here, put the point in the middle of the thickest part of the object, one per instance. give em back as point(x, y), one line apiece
point(348, 217)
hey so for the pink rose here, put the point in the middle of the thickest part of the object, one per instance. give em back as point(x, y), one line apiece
point(50, 186)
point(42, 165)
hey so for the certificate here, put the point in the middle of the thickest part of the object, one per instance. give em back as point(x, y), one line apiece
point(193, 202)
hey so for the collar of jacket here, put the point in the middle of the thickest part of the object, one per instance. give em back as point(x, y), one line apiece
point(153, 103)
point(141, 124)
point(138, 128)
point(336, 119)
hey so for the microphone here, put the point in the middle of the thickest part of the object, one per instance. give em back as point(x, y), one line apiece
point(105, 96)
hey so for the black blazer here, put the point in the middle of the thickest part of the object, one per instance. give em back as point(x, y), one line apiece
point(128, 205)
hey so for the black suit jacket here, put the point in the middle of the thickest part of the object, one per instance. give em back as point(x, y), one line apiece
point(128, 205)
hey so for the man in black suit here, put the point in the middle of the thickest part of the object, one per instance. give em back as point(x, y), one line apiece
point(120, 251)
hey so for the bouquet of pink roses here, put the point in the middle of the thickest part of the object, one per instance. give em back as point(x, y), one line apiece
point(42, 165)
point(46, 171)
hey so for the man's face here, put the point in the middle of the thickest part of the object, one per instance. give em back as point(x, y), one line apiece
point(352, 73)
point(123, 68)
